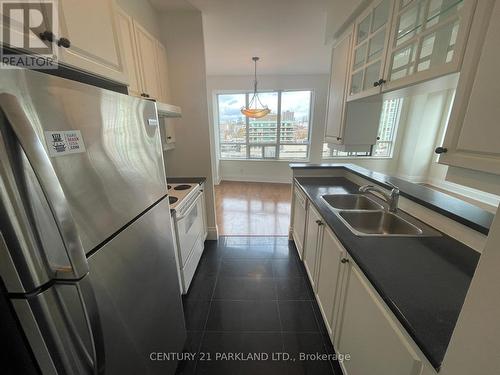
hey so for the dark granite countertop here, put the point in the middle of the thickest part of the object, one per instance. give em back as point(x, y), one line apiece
point(454, 208)
point(423, 280)
point(187, 180)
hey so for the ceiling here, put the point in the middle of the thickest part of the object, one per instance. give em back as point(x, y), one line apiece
point(172, 5)
point(288, 35)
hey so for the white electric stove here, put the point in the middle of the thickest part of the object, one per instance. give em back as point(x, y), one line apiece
point(189, 222)
point(178, 192)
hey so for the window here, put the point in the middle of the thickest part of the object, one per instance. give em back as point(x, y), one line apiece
point(282, 134)
point(384, 146)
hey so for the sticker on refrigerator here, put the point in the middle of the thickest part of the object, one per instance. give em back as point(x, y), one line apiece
point(64, 142)
point(152, 122)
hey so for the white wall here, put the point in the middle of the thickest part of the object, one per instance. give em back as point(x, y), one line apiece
point(182, 35)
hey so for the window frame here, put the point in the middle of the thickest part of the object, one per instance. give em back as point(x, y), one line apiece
point(278, 142)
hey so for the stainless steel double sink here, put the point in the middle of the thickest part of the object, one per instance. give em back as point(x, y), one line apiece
point(366, 217)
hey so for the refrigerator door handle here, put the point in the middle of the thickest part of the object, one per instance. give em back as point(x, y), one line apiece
point(89, 305)
point(45, 173)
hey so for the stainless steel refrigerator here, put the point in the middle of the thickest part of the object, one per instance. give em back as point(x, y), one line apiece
point(87, 262)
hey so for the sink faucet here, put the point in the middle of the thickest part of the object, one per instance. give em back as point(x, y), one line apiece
point(391, 198)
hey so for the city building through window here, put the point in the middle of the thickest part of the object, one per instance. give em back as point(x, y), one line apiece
point(282, 134)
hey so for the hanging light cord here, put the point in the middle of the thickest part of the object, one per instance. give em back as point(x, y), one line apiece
point(255, 96)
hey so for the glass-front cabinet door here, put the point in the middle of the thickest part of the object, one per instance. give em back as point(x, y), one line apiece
point(428, 38)
point(371, 37)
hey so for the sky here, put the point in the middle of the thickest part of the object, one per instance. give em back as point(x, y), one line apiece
point(296, 101)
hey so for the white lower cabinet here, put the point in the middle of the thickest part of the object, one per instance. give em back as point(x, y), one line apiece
point(358, 321)
point(312, 241)
point(329, 278)
point(367, 333)
point(299, 219)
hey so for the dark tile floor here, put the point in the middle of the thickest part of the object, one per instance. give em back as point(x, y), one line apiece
point(251, 295)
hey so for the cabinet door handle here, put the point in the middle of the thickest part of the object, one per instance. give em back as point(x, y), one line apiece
point(344, 260)
point(380, 82)
point(375, 84)
point(339, 138)
point(319, 222)
point(47, 35)
point(64, 42)
point(441, 150)
point(169, 137)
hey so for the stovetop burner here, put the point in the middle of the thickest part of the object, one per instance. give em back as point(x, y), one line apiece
point(172, 200)
point(182, 187)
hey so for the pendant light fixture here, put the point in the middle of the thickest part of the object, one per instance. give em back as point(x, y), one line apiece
point(255, 108)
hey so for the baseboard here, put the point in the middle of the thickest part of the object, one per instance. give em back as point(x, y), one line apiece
point(271, 179)
point(212, 233)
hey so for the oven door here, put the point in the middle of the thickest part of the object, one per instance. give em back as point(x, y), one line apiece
point(189, 226)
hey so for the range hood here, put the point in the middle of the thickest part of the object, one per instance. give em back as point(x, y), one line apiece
point(168, 110)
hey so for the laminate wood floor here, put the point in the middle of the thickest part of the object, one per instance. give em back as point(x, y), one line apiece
point(252, 208)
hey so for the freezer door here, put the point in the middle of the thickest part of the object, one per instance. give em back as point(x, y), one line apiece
point(103, 147)
point(135, 281)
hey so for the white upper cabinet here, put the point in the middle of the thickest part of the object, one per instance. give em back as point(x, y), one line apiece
point(130, 53)
point(88, 38)
point(473, 132)
point(336, 113)
point(146, 46)
point(371, 38)
point(399, 43)
point(161, 58)
point(146, 61)
point(428, 39)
